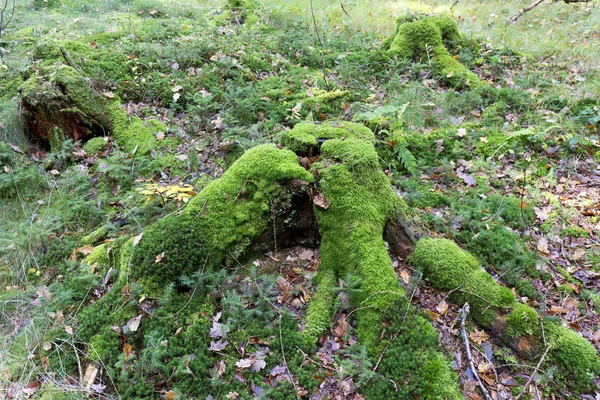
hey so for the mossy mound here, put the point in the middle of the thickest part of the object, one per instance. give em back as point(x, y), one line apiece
point(221, 222)
point(132, 133)
point(427, 39)
point(357, 201)
point(60, 101)
point(493, 306)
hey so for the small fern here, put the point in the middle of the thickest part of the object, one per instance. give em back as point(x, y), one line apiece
point(405, 157)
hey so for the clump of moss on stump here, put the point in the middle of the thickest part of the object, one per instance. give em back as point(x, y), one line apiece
point(427, 39)
point(220, 223)
point(493, 306)
point(358, 201)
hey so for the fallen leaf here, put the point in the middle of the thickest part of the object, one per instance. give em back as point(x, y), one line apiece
point(442, 308)
point(127, 350)
point(133, 324)
point(244, 363)
point(170, 395)
point(47, 346)
point(542, 246)
point(478, 336)
point(69, 330)
point(218, 345)
point(321, 201)
point(137, 239)
point(159, 257)
point(90, 376)
point(219, 330)
point(405, 275)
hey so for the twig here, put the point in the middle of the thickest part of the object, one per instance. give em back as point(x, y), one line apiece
point(307, 357)
point(526, 9)
point(312, 11)
point(344, 10)
point(533, 374)
point(464, 312)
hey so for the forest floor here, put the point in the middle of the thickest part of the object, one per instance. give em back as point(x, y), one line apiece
point(509, 170)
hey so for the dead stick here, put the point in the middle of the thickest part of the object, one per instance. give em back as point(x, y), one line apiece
point(533, 374)
point(526, 9)
point(464, 312)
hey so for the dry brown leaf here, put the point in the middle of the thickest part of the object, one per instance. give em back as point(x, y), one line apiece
point(442, 308)
point(85, 250)
point(133, 324)
point(170, 395)
point(127, 350)
point(478, 336)
point(555, 310)
point(321, 201)
point(90, 376)
point(405, 275)
point(542, 246)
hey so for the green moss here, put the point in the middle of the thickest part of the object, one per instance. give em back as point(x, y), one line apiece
point(360, 200)
point(220, 223)
point(318, 316)
point(95, 145)
point(132, 133)
point(523, 320)
point(306, 137)
point(425, 373)
point(169, 248)
point(449, 268)
point(99, 256)
point(576, 357)
point(426, 39)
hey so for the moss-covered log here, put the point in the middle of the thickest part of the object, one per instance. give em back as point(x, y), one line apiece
point(495, 308)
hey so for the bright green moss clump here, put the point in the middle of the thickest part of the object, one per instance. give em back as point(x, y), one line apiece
point(449, 268)
point(577, 358)
point(318, 318)
point(220, 223)
point(426, 39)
point(359, 202)
point(306, 137)
point(132, 133)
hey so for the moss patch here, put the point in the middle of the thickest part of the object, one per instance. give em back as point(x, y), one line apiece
point(220, 223)
point(449, 268)
point(60, 98)
point(425, 39)
point(360, 200)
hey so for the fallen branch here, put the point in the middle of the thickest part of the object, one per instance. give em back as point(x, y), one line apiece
point(526, 9)
point(464, 312)
point(537, 3)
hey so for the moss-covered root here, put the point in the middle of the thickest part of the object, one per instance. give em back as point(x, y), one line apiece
point(221, 222)
point(493, 306)
point(318, 317)
point(132, 133)
point(426, 39)
point(358, 201)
